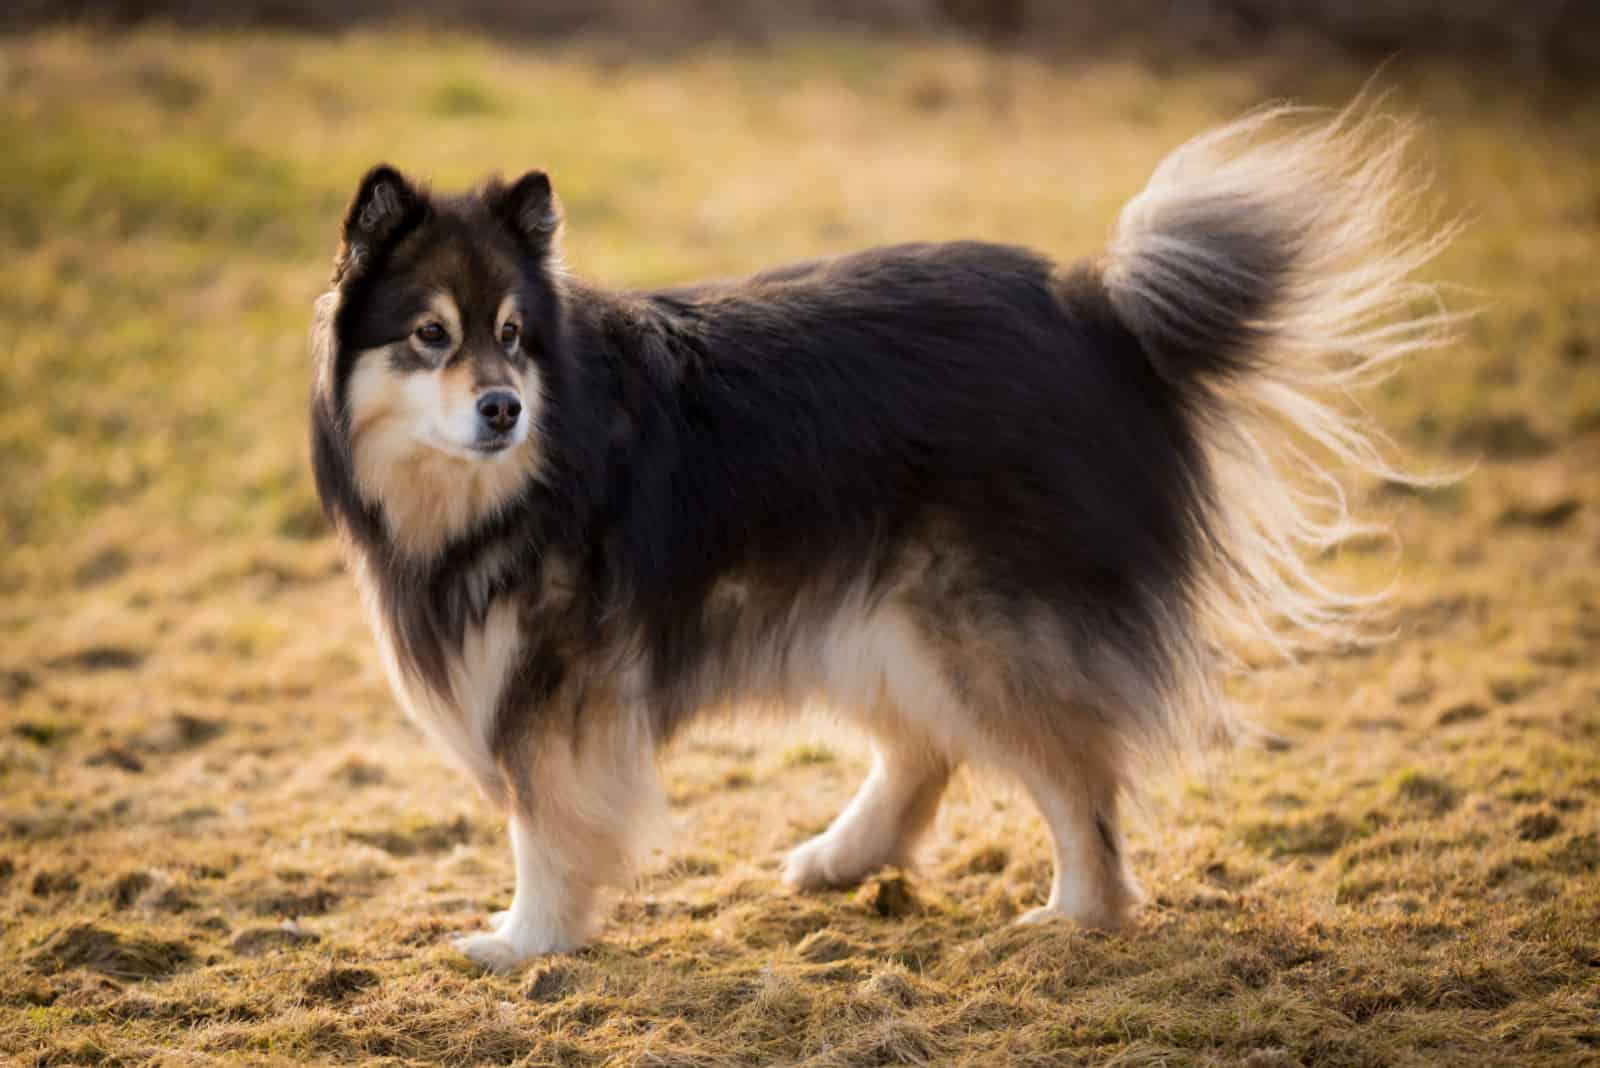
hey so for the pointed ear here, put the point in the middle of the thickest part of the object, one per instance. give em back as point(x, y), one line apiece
point(528, 207)
point(384, 207)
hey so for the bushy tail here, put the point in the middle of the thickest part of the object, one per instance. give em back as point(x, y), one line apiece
point(1267, 270)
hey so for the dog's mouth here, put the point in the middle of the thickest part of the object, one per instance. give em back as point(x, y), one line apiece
point(494, 444)
point(479, 451)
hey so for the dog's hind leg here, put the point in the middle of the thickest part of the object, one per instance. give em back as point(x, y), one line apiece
point(883, 821)
point(1092, 885)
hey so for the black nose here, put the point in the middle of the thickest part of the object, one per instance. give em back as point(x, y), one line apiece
point(499, 410)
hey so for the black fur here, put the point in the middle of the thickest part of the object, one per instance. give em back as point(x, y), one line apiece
point(830, 412)
point(795, 429)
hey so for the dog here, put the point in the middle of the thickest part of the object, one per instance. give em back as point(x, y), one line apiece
point(995, 510)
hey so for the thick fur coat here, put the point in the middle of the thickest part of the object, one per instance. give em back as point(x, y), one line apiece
point(994, 509)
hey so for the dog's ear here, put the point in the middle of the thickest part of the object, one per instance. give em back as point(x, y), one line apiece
point(528, 207)
point(385, 206)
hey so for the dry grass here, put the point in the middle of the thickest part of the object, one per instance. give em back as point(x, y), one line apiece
point(219, 840)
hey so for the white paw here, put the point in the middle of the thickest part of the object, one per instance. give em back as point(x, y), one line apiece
point(1104, 918)
point(1042, 914)
point(510, 943)
point(803, 868)
point(493, 952)
point(816, 865)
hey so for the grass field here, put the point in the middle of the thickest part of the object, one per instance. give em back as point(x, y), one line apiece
point(220, 841)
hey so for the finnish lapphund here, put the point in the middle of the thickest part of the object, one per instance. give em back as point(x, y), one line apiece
point(993, 508)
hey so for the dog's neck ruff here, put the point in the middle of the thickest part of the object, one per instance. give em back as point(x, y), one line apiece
point(450, 690)
point(430, 500)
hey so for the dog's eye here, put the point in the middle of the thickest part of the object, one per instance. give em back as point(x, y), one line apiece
point(509, 334)
point(431, 333)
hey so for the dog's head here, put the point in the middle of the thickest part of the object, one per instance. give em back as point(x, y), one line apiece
point(432, 353)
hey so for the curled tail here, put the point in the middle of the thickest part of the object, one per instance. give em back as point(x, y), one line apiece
point(1267, 271)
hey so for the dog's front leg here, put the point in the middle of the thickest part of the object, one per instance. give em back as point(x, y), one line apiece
point(552, 910)
point(580, 815)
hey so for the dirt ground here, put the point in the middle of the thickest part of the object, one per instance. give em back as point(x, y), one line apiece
point(219, 840)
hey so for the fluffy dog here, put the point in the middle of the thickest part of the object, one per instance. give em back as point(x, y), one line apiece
point(992, 508)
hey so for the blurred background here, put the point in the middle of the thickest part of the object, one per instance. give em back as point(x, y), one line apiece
point(217, 835)
point(1537, 35)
